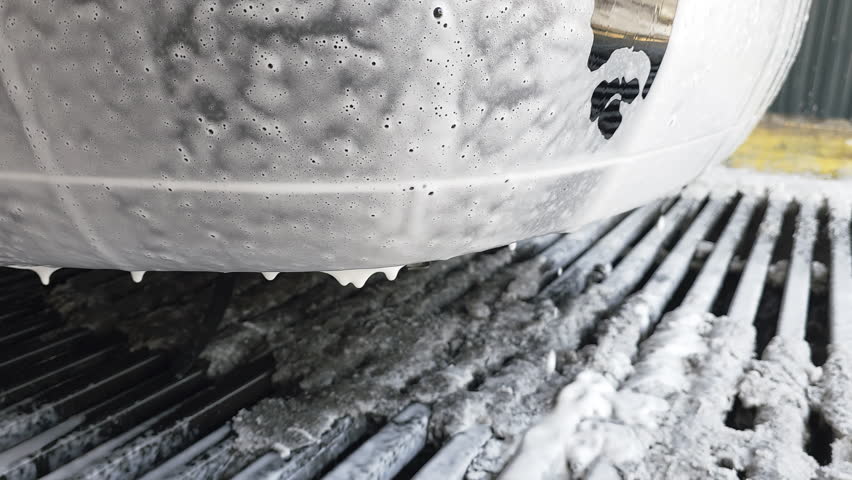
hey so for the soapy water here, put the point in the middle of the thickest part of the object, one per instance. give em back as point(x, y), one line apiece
point(44, 273)
point(359, 277)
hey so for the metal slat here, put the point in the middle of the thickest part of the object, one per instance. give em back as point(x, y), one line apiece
point(21, 312)
point(569, 247)
point(174, 432)
point(74, 468)
point(11, 457)
point(310, 462)
point(24, 421)
point(840, 306)
point(25, 331)
point(386, 453)
point(26, 346)
point(170, 466)
point(107, 421)
point(53, 373)
point(452, 461)
point(573, 280)
point(46, 371)
point(794, 308)
point(660, 288)
point(216, 463)
point(39, 353)
point(707, 285)
point(747, 297)
point(639, 259)
point(643, 309)
point(17, 462)
point(584, 310)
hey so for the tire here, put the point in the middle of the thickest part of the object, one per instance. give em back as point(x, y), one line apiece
point(302, 136)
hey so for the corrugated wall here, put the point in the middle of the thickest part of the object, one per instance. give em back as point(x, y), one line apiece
point(820, 83)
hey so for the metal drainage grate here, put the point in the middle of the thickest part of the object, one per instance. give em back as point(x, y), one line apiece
point(685, 339)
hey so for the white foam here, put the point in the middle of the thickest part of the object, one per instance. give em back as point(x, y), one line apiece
point(359, 277)
point(43, 273)
point(270, 275)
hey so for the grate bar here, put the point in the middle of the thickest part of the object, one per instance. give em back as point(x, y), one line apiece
point(34, 355)
point(49, 373)
point(583, 311)
point(26, 330)
point(53, 374)
point(25, 421)
point(21, 314)
point(10, 460)
point(747, 297)
point(636, 263)
point(173, 464)
point(80, 464)
point(106, 421)
point(20, 464)
point(214, 463)
point(386, 453)
point(573, 281)
point(452, 461)
point(202, 414)
point(569, 247)
point(308, 463)
point(794, 308)
point(664, 281)
point(42, 340)
point(630, 270)
point(841, 277)
point(707, 285)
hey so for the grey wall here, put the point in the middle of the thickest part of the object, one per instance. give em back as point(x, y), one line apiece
point(820, 83)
